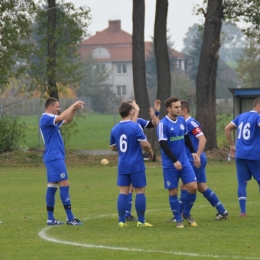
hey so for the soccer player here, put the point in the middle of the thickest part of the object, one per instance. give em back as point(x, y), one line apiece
point(198, 140)
point(173, 138)
point(54, 155)
point(145, 124)
point(128, 138)
point(246, 151)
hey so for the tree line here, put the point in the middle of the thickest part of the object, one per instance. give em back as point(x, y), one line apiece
point(39, 42)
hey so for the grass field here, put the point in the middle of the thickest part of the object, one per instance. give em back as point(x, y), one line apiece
point(24, 234)
point(93, 132)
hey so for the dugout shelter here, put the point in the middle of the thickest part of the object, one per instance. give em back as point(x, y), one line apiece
point(243, 99)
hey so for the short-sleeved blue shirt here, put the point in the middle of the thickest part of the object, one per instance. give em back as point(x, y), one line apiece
point(173, 132)
point(126, 136)
point(248, 135)
point(52, 139)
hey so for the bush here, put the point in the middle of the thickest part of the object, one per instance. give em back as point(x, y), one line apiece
point(12, 133)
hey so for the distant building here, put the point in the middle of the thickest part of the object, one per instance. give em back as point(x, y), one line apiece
point(112, 48)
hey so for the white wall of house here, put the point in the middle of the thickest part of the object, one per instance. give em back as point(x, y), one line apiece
point(122, 74)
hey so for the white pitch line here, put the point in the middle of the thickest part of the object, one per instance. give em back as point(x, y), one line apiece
point(43, 234)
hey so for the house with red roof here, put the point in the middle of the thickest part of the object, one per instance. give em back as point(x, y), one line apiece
point(112, 48)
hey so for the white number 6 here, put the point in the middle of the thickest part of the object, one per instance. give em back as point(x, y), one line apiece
point(123, 143)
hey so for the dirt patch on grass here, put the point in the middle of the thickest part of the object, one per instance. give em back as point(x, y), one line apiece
point(219, 154)
point(33, 158)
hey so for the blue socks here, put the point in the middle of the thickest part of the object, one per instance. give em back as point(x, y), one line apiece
point(65, 198)
point(213, 200)
point(241, 193)
point(121, 207)
point(50, 201)
point(175, 207)
point(128, 205)
point(182, 199)
point(190, 199)
point(140, 206)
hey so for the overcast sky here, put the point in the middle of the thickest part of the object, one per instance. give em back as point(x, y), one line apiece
point(179, 19)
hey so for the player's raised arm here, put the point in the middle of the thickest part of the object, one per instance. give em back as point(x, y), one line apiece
point(137, 109)
point(69, 113)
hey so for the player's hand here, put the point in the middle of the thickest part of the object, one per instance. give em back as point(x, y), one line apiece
point(79, 104)
point(196, 160)
point(232, 151)
point(157, 105)
point(151, 156)
point(135, 106)
point(178, 165)
point(151, 112)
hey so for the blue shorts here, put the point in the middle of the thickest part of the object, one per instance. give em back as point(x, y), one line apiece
point(171, 176)
point(56, 171)
point(201, 171)
point(246, 169)
point(138, 179)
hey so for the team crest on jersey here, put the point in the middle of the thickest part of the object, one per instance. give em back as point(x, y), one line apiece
point(182, 126)
point(168, 183)
point(172, 129)
point(62, 175)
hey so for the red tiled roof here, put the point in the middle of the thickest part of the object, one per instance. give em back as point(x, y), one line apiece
point(117, 42)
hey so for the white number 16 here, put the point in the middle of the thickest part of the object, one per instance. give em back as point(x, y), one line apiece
point(244, 131)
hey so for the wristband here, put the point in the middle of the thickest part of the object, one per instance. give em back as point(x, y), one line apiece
point(157, 113)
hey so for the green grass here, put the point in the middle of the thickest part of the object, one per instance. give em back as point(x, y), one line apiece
point(94, 193)
point(93, 132)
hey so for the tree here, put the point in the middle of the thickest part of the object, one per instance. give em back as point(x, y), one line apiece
point(94, 84)
point(232, 41)
point(182, 86)
point(161, 51)
point(138, 52)
point(15, 30)
point(217, 10)
point(248, 65)
point(150, 64)
point(70, 29)
point(51, 53)
point(226, 77)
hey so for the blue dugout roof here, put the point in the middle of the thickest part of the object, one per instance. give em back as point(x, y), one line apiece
point(245, 92)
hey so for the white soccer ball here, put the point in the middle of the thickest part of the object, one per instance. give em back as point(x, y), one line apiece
point(104, 162)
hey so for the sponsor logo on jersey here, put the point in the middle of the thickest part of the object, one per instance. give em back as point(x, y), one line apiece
point(176, 138)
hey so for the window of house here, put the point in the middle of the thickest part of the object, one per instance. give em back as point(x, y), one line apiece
point(121, 90)
point(121, 68)
point(101, 68)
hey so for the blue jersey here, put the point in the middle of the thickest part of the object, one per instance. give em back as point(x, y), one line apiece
point(194, 131)
point(126, 136)
point(248, 135)
point(142, 122)
point(173, 132)
point(52, 139)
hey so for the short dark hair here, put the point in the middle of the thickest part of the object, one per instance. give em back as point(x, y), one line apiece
point(185, 104)
point(170, 100)
point(256, 102)
point(50, 101)
point(125, 109)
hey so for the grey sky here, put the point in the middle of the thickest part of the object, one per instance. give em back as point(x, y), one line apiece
point(179, 19)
